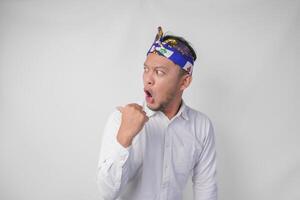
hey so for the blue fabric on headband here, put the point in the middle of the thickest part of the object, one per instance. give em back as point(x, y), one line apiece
point(166, 50)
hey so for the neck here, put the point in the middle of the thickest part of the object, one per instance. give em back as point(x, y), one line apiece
point(173, 108)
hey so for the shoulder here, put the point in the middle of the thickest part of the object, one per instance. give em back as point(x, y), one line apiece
point(198, 116)
point(114, 116)
point(202, 123)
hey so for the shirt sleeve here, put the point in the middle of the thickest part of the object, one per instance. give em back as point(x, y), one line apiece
point(204, 172)
point(117, 164)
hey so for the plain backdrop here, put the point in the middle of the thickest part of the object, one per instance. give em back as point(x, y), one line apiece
point(65, 65)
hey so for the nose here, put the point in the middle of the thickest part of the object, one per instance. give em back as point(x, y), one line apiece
point(148, 79)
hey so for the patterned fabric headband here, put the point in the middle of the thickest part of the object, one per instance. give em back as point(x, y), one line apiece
point(166, 49)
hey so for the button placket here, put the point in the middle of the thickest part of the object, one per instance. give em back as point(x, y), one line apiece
point(167, 157)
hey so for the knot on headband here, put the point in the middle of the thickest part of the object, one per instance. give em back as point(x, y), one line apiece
point(167, 49)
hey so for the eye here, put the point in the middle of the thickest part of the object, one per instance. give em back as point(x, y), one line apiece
point(146, 69)
point(160, 72)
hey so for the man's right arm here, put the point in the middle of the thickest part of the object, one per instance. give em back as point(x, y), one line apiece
point(120, 154)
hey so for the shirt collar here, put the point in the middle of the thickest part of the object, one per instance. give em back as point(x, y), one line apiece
point(182, 111)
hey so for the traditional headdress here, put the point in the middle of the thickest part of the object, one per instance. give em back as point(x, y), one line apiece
point(166, 49)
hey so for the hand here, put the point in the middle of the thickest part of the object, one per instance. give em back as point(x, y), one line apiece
point(133, 120)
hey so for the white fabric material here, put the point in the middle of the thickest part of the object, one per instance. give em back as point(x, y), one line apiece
point(65, 64)
point(161, 158)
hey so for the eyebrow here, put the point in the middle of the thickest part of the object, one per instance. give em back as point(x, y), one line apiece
point(164, 67)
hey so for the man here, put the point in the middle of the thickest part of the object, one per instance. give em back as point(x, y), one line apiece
point(149, 151)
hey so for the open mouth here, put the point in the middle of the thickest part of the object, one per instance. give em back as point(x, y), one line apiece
point(148, 94)
point(149, 97)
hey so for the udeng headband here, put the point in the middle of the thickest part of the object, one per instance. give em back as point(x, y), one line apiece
point(165, 49)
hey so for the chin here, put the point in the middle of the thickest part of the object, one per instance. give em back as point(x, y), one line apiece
point(153, 107)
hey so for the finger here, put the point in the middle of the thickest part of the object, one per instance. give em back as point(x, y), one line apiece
point(139, 107)
point(147, 119)
point(135, 105)
point(120, 108)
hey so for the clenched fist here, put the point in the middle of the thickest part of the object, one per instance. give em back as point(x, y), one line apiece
point(133, 120)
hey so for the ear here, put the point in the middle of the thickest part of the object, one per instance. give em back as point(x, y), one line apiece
point(186, 81)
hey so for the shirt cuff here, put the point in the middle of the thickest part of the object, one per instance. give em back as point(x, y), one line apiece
point(120, 153)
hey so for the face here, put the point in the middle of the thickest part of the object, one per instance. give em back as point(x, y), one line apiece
point(162, 84)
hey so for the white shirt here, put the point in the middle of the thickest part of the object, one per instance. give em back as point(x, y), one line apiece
point(160, 159)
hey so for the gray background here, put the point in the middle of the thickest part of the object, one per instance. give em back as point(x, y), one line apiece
point(65, 65)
